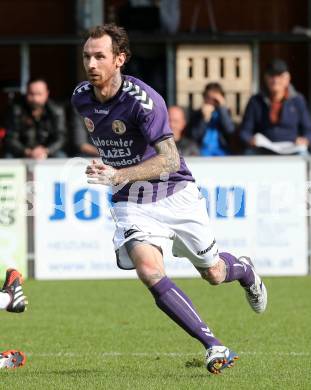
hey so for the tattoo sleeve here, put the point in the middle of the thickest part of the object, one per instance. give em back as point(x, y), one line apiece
point(166, 161)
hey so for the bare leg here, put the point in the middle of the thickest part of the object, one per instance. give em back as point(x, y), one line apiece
point(168, 297)
point(149, 264)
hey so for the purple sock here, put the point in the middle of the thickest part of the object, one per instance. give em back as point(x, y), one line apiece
point(170, 299)
point(236, 270)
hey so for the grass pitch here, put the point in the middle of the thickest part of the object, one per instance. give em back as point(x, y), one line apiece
point(110, 335)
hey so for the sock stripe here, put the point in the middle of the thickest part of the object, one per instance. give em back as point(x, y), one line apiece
point(193, 311)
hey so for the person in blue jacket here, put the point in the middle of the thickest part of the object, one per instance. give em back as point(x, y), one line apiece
point(211, 126)
point(278, 112)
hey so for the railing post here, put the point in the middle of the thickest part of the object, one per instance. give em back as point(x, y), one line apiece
point(24, 66)
point(255, 67)
point(170, 73)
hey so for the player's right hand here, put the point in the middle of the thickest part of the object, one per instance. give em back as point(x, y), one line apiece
point(99, 173)
point(94, 168)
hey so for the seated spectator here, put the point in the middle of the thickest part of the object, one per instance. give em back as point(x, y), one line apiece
point(80, 138)
point(279, 112)
point(177, 121)
point(211, 125)
point(35, 125)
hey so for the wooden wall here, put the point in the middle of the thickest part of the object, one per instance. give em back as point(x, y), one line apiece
point(246, 15)
point(41, 18)
point(37, 17)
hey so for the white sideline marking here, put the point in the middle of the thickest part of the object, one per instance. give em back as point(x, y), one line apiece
point(169, 354)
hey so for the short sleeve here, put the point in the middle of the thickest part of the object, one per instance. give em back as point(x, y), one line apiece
point(79, 94)
point(154, 123)
point(75, 101)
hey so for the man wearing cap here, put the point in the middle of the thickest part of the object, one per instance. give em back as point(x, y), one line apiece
point(278, 112)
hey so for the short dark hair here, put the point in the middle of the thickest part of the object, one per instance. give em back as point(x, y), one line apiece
point(118, 35)
point(213, 87)
point(36, 80)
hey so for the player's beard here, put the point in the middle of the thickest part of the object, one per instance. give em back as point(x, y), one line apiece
point(102, 81)
point(96, 81)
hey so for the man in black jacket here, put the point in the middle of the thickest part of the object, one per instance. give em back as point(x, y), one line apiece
point(35, 125)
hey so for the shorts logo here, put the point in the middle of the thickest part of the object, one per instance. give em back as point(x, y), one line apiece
point(129, 232)
point(118, 127)
point(200, 253)
point(89, 124)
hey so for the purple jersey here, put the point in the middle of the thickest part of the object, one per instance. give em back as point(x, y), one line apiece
point(124, 129)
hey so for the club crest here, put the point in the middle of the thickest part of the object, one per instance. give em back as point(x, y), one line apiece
point(118, 127)
point(89, 124)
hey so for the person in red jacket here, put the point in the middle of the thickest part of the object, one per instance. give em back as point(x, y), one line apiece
point(12, 299)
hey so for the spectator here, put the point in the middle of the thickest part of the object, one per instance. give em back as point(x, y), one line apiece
point(36, 125)
point(80, 138)
point(279, 112)
point(211, 126)
point(177, 122)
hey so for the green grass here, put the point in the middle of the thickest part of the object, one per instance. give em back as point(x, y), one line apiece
point(110, 335)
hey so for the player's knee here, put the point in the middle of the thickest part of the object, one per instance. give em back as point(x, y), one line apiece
point(148, 262)
point(148, 273)
point(214, 275)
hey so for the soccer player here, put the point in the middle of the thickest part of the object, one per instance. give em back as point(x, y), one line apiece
point(13, 300)
point(154, 193)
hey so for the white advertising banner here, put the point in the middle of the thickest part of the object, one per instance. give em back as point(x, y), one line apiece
point(74, 227)
point(257, 208)
point(13, 229)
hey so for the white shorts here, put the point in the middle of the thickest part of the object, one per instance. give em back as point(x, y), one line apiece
point(181, 217)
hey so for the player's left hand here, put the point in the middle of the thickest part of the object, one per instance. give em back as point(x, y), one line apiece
point(99, 173)
point(302, 141)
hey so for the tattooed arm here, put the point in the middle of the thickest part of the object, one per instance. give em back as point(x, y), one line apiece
point(166, 161)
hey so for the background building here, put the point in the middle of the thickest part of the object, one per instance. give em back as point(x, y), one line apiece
point(41, 37)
